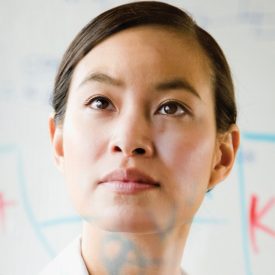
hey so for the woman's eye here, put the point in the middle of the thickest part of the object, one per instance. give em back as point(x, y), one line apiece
point(100, 103)
point(172, 108)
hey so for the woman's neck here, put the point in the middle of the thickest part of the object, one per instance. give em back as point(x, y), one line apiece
point(131, 254)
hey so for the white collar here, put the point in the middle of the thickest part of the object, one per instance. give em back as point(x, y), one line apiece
point(68, 262)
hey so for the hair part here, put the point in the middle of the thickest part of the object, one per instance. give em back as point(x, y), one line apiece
point(140, 14)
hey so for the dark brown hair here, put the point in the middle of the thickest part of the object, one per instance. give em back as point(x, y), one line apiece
point(139, 14)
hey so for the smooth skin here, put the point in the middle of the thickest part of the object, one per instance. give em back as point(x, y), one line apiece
point(141, 100)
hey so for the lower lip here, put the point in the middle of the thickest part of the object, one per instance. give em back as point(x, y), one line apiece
point(128, 187)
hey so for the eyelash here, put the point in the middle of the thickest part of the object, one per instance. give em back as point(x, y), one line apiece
point(179, 106)
point(183, 109)
point(98, 99)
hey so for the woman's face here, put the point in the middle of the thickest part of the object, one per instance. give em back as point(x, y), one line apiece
point(138, 146)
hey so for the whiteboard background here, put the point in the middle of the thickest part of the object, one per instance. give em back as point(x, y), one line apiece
point(36, 217)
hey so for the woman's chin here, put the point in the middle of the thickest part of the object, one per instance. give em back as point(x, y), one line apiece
point(127, 227)
point(130, 221)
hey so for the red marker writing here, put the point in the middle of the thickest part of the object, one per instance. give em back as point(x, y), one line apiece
point(255, 219)
point(3, 205)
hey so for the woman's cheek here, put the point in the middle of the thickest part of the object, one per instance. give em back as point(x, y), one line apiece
point(84, 146)
point(185, 157)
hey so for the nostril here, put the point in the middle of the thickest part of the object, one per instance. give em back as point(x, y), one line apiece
point(139, 151)
point(117, 149)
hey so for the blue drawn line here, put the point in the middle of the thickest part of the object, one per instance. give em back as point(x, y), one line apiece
point(244, 222)
point(58, 221)
point(7, 148)
point(11, 148)
point(209, 194)
point(26, 204)
point(259, 137)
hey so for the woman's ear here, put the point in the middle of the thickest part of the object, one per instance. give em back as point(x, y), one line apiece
point(56, 136)
point(225, 154)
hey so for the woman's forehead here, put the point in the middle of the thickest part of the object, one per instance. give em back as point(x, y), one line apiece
point(146, 52)
point(162, 38)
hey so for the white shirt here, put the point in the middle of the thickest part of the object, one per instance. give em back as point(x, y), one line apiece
point(69, 262)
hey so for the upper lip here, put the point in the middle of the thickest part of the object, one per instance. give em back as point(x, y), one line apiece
point(129, 175)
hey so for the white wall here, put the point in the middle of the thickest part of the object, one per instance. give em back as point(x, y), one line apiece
point(36, 219)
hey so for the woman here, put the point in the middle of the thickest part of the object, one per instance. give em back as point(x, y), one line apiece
point(144, 125)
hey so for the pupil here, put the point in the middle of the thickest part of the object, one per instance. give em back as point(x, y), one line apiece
point(101, 103)
point(170, 109)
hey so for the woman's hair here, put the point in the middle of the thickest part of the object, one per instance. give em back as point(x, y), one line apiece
point(140, 14)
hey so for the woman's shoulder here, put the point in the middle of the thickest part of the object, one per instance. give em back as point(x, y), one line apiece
point(68, 262)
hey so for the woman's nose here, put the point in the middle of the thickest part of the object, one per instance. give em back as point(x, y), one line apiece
point(132, 137)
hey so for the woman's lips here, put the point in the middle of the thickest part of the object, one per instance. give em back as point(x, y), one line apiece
point(128, 181)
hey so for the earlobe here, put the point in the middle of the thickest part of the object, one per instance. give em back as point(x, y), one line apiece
point(56, 137)
point(226, 151)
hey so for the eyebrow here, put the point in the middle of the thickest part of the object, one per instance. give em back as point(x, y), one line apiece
point(101, 78)
point(174, 84)
point(178, 84)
